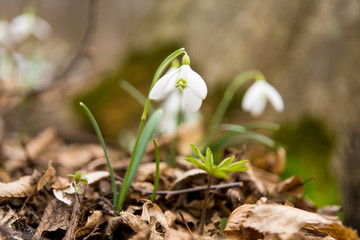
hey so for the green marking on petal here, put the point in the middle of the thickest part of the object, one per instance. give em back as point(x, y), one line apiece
point(182, 84)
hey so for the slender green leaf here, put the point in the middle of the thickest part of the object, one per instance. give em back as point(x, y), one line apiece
point(102, 142)
point(197, 163)
point(226, 162)
point(143, 142)
point(232, 128)
point(198, 153)
point(261, 125)
point(237, 166)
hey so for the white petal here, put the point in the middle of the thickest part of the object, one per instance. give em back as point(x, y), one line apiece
point(172, 103)
point(163, 86)
point(195, 82)
point(21, 26)
point(252, 95)
point(258, 107)
point(190, 101)
point(274, 97)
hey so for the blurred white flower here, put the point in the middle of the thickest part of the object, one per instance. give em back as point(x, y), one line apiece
point(258, 94)
point(190, 84)
point(26, 24)
point(33, 72)
point(4, 33)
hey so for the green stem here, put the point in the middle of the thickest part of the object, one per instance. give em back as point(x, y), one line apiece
point(102, 142)
point(206, 201)
point(157, 173)
point(157, 75)
point(227, 97)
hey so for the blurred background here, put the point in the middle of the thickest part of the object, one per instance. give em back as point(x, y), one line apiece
point(308, 50)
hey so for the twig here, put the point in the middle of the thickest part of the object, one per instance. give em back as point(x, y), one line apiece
point(91, 19)
point(186, 190)
point(186, 225)
point(74, 221)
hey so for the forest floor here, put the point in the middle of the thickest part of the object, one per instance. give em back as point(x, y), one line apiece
point(37, 200)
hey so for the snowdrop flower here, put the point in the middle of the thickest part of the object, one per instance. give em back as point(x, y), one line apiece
point(190, 84)
point(169, 121)
point(258, 94)
point(28, 23)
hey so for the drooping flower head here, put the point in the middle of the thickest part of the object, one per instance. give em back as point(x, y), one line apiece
point(28, 23)
point(190, 84)
point(258, 94)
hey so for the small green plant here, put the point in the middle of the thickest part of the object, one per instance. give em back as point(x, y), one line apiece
point(78, 178)
point(221, 170)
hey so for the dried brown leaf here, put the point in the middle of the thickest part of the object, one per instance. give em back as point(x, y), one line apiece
point(40, 142)
point(56, 216)
point(20, 188)
point(152, 210)
point(146, 171)
point(170, 217)
point(265, 182)
point(7, 233)
point(93, 220)
point(7, 216)
point(189, 176)
point(60, 195)
point(133, 221)
point(191, 221)
point(330, 210)
point(172, 234)
point(281, 221)
point(76, 156)
point(292, 186)
point(46, 177)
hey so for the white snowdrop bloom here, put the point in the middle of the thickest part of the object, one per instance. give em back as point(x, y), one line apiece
point(258, 94)
point(190, 84)
point(28, 23)
point(33, 72)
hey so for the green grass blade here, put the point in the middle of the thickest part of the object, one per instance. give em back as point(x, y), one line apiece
point(140, 151)
point(232, 128)
point(157, 173)
point(102, 142)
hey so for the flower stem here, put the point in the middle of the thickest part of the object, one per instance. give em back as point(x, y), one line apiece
point(227, 97)
point(206, 201)
point(157, 75)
